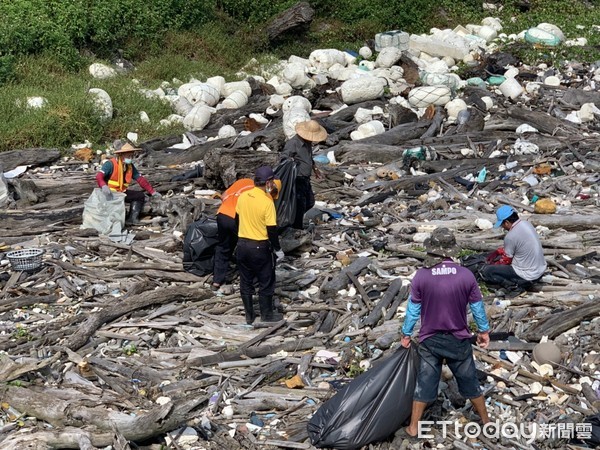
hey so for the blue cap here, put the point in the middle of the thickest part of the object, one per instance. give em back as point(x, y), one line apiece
point(503, 213)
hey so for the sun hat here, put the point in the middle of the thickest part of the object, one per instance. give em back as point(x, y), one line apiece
point(311, 130)
point(441, 243)
point(127, 148)
point(503, 213)
point(263, 174)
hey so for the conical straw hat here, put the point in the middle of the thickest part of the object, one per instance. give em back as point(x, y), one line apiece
point(311, 130)
point(128, 148)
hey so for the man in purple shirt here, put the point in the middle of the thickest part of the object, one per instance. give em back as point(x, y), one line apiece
point(440, 295)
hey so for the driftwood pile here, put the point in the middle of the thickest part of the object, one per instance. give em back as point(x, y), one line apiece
point(109, 344)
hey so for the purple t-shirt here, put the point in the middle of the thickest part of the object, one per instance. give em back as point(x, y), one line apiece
point(444, 291)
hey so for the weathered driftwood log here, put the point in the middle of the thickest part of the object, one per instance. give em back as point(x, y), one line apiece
point(73, 412)
point(129, 304)
point(383, 303)
point(254, 352)
point(291, 19)
point(558, 323)
point(396, 136)
point(545, 123)
point(225, 166)
point(341, 280)
point(28, 156)
point(578, 97)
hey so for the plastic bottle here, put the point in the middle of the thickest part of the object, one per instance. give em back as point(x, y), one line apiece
point(502, 304)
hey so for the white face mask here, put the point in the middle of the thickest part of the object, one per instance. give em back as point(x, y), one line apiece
point(128, 161)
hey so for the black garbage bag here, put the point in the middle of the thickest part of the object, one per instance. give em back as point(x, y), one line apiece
point(369, 409)
point(196, 172)
point(474, 262)
point(594, 434)
point(199, 245)
point(285, 204)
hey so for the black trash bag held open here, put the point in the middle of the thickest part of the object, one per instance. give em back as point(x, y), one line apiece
point(285, 204)
point(369, 409)
point(199, 245)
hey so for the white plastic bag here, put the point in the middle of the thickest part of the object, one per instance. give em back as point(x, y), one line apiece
point(102, 214)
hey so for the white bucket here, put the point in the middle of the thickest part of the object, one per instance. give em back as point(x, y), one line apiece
point(511, 88)
point(235, 100)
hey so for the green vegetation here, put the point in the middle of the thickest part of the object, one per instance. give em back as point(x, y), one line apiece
point(46, 47)
point(130, 349)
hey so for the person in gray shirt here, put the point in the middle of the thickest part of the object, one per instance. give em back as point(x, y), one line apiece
point(299, 148)
point(522, 255)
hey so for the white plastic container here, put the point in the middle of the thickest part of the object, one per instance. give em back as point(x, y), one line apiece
point(511, 88)
point(365, 52)
point(180, 105)
point(323, 59)
point(294, 74)
point(217, 82)
point(362, 89)
point(204, 94)
point(422, 97)
point(233, 86)
point(296, 101)
point(388, 57)
point(437, 47)
point(450, 80)
point(394, 38)
point(371, 128)
point(227, 131)
point(235, 100)
point(197, 118)
point(292, 118)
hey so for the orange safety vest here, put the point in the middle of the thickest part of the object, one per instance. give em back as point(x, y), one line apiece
point(120, 179)
point(230, 196)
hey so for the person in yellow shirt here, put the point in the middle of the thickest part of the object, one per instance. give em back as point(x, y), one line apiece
point(258, 246)
point(227, 226)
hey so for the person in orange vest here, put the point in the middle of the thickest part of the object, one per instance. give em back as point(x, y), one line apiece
point(116, 175)
point(228, 228)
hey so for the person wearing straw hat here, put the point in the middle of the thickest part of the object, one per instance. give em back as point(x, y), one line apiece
point(228, 227)
point(258, 246)
point(116, 174)
point(299, 148)
point(439, 296)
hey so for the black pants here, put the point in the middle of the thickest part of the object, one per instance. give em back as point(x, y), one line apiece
point(305, 199)
point(134, 196)
point(255, 260)
point(227, 234)
point(503, 275)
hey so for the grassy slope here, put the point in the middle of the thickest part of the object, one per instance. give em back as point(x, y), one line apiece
point(221, 49)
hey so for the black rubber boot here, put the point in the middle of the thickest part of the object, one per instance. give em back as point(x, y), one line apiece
point(248, 309)
point(134, 213)
point(267, 313)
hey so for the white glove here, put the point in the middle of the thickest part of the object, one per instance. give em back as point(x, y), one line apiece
point(279, 255)
point(156, 195)
point(107, 192)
